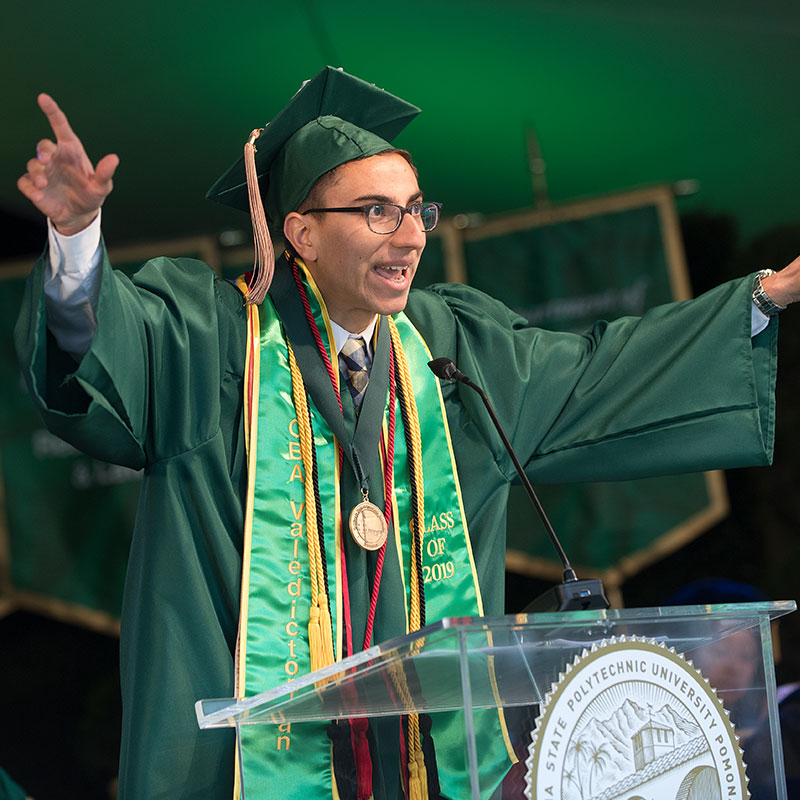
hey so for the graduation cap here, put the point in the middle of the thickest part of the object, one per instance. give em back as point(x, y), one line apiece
point(334, 118)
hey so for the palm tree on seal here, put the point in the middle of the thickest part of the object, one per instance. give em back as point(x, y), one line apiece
point(577, 748)
point(599, 756)
point(570, 776)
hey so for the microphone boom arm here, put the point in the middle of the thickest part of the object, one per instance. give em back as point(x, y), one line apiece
point(588, 593)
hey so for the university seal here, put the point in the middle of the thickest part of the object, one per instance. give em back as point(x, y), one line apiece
point(632, 718)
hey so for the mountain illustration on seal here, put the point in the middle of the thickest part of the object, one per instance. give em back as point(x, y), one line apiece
point(608, 756)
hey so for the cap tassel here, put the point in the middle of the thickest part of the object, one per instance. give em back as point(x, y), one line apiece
point(264, 264)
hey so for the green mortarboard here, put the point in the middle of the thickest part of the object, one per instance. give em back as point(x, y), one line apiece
point(334, 118)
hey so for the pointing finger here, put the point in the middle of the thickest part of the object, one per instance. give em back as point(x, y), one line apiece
point(56, 117)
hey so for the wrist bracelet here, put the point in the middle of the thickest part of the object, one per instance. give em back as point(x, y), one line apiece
point(763, 302)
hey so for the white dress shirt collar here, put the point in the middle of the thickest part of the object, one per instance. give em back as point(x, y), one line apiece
point(340, 335)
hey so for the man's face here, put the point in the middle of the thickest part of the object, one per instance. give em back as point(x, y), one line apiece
point(357, 270)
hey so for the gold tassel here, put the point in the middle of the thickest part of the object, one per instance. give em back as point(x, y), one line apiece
point(416, 760)
point(315, 639)
point(326, 629)
point(423, 777)
point(414, 784)
point(264, 264)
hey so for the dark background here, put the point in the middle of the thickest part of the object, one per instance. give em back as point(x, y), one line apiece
point(620, 94)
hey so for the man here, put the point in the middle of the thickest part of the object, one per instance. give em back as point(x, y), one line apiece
point(236, 416)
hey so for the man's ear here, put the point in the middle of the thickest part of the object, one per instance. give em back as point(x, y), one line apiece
point(298, 232)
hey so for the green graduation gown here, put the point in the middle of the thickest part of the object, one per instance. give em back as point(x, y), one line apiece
point(684, 388)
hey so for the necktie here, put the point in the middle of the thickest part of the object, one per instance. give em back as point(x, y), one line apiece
point(356, 363)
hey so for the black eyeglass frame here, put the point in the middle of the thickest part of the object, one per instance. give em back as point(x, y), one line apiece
point(365, 211)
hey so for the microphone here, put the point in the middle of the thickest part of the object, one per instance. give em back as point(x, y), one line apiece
point(572, 594)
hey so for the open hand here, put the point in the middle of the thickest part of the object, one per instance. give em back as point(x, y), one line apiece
point(61, 181)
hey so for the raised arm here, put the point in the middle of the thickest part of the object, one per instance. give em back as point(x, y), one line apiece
point(61, 181)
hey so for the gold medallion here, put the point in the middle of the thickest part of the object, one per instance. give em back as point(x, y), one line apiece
point(368, 526)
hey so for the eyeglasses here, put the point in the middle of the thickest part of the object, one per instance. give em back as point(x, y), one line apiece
point(387, 217)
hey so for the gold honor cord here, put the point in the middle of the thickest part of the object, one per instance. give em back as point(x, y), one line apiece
point(252, 372)
point(417, 774)
point(415, 459)
point(320, 627)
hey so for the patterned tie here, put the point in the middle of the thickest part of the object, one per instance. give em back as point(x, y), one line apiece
point(355, 363)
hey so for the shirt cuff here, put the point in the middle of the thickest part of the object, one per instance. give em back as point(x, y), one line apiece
point(75, 255)
point(72, 288)
point(758, 321)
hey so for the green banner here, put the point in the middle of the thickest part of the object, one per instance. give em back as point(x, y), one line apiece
point(567, 275)
point(564, 269)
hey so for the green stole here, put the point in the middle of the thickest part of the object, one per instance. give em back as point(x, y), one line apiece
point(294, 760)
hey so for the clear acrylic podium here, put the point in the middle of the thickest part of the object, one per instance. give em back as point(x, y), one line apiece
point(469, 665)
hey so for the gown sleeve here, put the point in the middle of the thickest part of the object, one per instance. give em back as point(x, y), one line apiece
point(149, 386)
point(683, 388)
